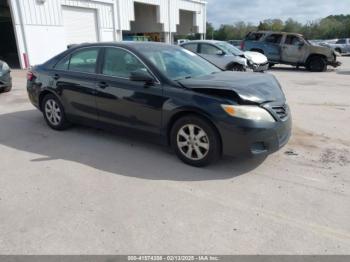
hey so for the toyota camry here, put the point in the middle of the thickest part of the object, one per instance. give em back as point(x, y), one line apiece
point(199, 110)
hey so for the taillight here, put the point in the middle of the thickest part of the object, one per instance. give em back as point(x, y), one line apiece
point(242, 45)
point(30, 76)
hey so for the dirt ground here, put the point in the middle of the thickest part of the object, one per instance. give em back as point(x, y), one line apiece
point(85, 191)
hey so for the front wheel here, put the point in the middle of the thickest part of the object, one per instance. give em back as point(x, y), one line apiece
point(53, 112)
point(236, 67)
point(317, 64)
point(195, 141)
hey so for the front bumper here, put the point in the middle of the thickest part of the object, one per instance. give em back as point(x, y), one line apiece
point(259, 67)
point(249, 138)
point(334, 63)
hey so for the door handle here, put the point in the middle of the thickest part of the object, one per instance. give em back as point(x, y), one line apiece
point(102, 85)
point(56, 76)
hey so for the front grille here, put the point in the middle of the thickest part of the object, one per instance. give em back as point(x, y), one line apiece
point(281, 111)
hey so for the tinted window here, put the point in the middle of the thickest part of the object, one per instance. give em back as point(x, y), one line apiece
point(254, 36)
point(120, 63)
point(341, 41)
point(84, 61)
point(177, 63)
point(191, 47)
point(274, 38)
point(209, 49)
point(293, 40)
point(63, 64)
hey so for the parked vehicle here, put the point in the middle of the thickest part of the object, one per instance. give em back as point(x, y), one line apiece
point(235, 43)
point(228, 57)
point(342, 46)
point(181, 41)
point(167, 91)
point(290, 49)
point(5, 77)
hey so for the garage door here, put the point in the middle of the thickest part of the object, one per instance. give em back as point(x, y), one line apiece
point(80, 25)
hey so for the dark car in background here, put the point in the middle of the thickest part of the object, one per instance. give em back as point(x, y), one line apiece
point(167, 91)
point(5, 77)
point(290, 49)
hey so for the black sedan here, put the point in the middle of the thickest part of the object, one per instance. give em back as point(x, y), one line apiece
point(167, 91)
point(5, 77)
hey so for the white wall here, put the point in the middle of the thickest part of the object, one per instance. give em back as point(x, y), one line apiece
point(40, 33)
point(146, 19)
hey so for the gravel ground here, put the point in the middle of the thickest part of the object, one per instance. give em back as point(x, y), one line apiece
point(85, 191)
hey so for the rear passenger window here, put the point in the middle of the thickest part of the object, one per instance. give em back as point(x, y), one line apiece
point(274, 38)
point(84, 61)
point(191, 47)
point(254, 36)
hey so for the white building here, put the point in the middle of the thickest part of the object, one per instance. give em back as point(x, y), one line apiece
point(32, 31)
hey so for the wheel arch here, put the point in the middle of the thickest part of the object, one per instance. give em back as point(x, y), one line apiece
point(314, 55)
point(190, 111)
point(230, 65)
point(42, 96)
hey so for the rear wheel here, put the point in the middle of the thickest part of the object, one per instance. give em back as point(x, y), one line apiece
point(53, 112)
point(317, 64)
point(195, 141)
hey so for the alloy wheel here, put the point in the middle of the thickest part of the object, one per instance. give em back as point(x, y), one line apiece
point(53, 112)
point(193, 142)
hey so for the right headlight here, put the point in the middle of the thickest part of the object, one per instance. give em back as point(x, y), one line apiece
point(249, 112)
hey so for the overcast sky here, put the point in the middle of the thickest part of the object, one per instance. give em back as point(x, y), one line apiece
point(229, 11)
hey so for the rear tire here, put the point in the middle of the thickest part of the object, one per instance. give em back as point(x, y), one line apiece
point(195, 141)
point(54, 114)
point(317, 64)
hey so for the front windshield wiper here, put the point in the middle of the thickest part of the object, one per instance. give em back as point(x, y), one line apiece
point(182, 78)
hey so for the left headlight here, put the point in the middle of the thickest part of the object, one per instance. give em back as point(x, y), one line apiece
point(248, 112)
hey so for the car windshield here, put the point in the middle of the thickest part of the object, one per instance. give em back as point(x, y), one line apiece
point(177, 63)
point(228, 48)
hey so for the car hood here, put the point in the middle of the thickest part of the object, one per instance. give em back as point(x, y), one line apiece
point(255, 57)
point(249, 87)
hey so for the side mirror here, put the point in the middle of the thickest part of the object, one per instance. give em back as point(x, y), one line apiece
point(301, 44)
point(141, 76)
point(220, 52)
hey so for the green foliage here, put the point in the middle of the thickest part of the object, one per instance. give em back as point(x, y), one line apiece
point(336, 26)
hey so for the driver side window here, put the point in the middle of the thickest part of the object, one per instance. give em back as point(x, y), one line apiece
point(120, 63)
point(293, 40)
point(209, 49)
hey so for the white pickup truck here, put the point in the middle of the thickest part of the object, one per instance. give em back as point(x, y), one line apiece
point(342, 46)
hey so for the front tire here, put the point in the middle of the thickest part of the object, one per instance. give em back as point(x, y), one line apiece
point(195, 141)
point(53, 112)
point(317, 64)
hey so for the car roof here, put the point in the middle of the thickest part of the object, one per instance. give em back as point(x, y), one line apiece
point(131, 44)
point(203, 41)
point(276, 32)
